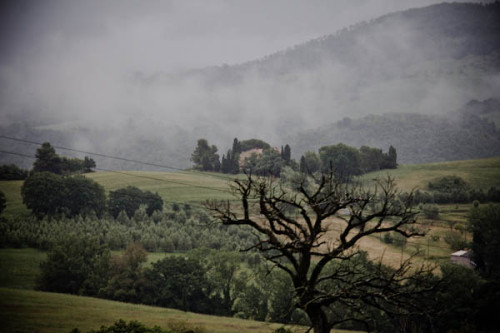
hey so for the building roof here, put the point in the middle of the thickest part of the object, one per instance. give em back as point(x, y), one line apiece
point(461, 253)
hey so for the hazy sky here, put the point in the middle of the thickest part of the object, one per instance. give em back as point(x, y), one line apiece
point(73, 57)
point(170, 34)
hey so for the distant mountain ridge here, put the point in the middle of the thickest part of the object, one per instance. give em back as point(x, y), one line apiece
point(428, 60)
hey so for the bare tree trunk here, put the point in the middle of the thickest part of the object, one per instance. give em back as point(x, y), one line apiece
point(319, 322)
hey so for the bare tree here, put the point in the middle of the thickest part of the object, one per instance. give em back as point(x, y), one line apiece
point(312, 231)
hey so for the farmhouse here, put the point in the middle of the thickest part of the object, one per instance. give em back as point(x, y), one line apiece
point(462, 257)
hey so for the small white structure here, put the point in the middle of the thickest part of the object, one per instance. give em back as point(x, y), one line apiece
point(462, 257)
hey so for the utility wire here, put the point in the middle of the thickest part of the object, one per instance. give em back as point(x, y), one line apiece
point(134, 175)
point(112, 157)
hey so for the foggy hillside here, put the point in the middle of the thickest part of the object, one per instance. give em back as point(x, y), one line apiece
point(468, 133)
point(414, 67)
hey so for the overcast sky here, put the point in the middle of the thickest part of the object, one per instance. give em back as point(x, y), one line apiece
point(169, 35)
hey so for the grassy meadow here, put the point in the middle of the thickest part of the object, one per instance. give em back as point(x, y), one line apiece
point(35, 311)
point(480, 173)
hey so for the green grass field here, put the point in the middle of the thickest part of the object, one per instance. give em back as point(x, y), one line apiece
point(19, 267)
point(171, 186)
point(34, 311)
point(480, 173)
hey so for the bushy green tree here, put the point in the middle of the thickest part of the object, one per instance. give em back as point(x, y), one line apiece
point(77, 265)
point(84, 195)
point(177, 282)
point(47, 160)
point(48, 194)
point(371, 159)
point(44, 193)
point(431, 211)
point(130, 198)
point(205, 157)
point(343, 160)
point(310, 163)
point(127, 275)
point(221, 271)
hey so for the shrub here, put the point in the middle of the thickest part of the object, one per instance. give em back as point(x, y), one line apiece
point(456, 241)
point(77, 265)
point(431, 211)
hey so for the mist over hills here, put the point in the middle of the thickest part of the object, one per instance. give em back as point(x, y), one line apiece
point(402, 79)
point(465, 134)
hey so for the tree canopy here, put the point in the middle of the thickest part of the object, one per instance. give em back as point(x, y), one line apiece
point(47, 160)
point(205, 157)
point(48, 194)
point(129, 200)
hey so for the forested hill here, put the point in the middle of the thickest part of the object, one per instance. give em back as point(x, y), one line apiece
point(424, 60)
point(386, 45)
point(465, 134)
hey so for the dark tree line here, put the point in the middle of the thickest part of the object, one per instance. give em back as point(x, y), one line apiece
point(49, 194)
point(47, 160)
point(55, 187)
point(346, 161)
point(129, 200)
point(12, 172)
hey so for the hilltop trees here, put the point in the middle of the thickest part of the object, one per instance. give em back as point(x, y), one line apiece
point(205, 157)
point(295, 229)
point(48, 194)
point(342, 159)
point(47, 160)
point(309, 163)
point(258, 157)
point(44, 193)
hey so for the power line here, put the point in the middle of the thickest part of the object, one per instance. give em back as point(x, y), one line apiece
point(112, 157)
point(133, 175)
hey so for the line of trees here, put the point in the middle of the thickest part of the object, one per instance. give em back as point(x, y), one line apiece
point(12, 172)
point(50, 194)
point(55, 186)
point(346, 161)
point(48, 160)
